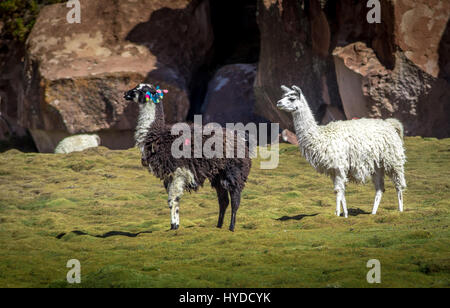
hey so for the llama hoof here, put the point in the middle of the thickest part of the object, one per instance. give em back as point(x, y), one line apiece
point(346, 215)
point(174, 226)
point(231, 229)
point(219, 226)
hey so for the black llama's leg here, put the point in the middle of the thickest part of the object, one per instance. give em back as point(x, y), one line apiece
point(222, 196)
point(176, 189)
point(235, 201)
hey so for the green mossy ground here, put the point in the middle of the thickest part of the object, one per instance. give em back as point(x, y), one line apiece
point(97, 191)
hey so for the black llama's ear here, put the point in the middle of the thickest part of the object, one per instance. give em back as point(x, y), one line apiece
point(298, 90)
point(149, 88)
point(285, 89)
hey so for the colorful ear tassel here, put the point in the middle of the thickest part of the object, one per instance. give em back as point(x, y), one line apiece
point(156, 98)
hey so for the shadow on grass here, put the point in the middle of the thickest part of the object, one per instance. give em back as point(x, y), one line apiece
point(297, 217)
point(105, 235)
point(356, 212)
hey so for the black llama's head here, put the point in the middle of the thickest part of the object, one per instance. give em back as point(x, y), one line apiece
point(144, 93)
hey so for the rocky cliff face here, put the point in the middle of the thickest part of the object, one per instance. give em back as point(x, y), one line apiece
point(397, 68)
point(75, 74)
point(11, 89)
point(230, 97)
point(402, 71)
point(69, 78)
point(295, 44)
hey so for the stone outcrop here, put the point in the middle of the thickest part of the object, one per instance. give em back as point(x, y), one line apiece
point(230, 97)
point(397, 68)
point(295, 42)
point(403, 72)
point(76, 73)
point(69, 78)
point(288, 137)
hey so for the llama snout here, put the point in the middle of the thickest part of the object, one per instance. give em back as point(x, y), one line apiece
point(128, 95)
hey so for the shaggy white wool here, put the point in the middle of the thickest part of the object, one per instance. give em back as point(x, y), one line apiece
point(181, 178)
point(77, 143)
point(397, 125)
point(352, 150)
point(356, 147)
point(145, 119)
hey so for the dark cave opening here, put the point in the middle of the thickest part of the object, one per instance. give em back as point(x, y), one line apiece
point(236, 40)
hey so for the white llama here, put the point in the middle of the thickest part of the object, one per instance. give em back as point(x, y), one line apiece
point(349, 150)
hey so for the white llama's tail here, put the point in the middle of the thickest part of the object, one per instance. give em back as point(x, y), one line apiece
point(397, 125)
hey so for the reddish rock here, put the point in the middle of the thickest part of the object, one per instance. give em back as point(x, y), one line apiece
point(399, 67)
point(418, 28)
point(368, 89)
point(348, 23)
point(353, 64)
point(320, 29)
point(77, 73)
point(295, 40)
point(288, 137)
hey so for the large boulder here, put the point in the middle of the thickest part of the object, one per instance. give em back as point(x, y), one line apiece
point(403, 73)
point(230, 97)
point(295, 43)
point(416, 28)
point(76, 73)
point(345, 65)
point(288, 137)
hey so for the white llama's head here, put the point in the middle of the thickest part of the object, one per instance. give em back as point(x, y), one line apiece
point(292, 100)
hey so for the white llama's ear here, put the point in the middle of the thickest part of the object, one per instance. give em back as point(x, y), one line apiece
point(298, 90)
point(285, 89)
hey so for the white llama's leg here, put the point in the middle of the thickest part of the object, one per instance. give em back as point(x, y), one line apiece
point(400, 199)
point(378, 181)
point(176, 189)
point(338, 204)
point(338, 199)
point(344, 205)
point(339, 189)
point(398, 177)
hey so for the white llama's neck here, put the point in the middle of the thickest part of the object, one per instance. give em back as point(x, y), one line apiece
point(145, 120)
point(306, 129)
